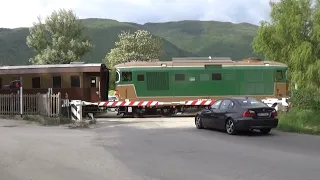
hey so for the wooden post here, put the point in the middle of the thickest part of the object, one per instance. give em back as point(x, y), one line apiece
point(21, 97)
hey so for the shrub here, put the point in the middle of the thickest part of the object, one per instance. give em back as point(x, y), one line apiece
point(306, 98)
point(301, 121)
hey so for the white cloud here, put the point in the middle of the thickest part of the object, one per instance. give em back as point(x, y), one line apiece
point(21, 13)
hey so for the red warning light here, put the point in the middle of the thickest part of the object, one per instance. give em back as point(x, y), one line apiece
point(15, 85)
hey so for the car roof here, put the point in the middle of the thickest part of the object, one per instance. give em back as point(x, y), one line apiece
point(238, 98)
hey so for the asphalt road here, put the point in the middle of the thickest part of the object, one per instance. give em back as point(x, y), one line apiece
point(154, 148)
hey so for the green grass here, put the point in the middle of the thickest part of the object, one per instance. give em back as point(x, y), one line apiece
point(111, 92)
point(181, 39)
point(300, 121)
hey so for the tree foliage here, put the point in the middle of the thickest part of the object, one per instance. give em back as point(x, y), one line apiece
point(306, 98)
point(138, 46)
point(292, 36)
point(59, 40)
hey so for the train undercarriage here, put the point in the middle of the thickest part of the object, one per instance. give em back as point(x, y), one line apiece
point(159, 111)
point(138, 111)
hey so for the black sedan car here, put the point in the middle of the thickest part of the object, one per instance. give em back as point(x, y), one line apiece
point(238, 114)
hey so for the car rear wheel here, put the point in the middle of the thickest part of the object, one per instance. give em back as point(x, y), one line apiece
point(265, 130)
point(230, 127)
point(198, 122)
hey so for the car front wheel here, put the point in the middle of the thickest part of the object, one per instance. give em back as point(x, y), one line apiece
point(198, 122)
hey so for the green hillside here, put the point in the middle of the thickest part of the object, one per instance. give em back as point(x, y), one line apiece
point(183, 38)
point(208, 38)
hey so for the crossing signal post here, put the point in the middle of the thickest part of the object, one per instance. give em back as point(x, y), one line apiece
point(16, 85)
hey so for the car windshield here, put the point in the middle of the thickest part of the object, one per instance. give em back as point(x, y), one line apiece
point(251, 103)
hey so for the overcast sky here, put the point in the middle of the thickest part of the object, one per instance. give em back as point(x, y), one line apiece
point(22, 13)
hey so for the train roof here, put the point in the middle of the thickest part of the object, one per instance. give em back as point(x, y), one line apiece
point(200, 62)
point(52, 68)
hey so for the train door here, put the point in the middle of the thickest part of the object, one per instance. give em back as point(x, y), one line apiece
point(94, 82)
point(281, 84)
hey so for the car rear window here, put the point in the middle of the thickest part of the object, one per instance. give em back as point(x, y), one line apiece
point(251, 103)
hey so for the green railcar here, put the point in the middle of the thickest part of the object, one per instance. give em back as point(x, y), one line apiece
point(176, 81)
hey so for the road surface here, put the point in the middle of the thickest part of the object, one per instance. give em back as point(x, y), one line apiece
point(155, 149)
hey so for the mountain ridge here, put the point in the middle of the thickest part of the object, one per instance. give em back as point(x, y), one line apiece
point(181, 39)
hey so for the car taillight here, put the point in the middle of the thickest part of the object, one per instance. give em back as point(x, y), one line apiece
point(248, 113)
point(275, 113)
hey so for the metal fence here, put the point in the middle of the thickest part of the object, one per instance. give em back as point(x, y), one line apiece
point(33, 104)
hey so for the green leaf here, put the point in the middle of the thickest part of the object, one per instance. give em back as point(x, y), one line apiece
point(292, 36)
point(138, 46)
point(59, 40)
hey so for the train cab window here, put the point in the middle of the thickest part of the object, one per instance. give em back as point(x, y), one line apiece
point(93, 82)
point(36, 82)
point(126, 76)
point(279, 75)
point(179, 77)
point(75, 81)
point(216, 76)
point(140, 77)
point(117, 76)
point(56, 81)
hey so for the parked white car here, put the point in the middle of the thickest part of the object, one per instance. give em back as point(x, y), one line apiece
point(112, 98)
point(279, 104)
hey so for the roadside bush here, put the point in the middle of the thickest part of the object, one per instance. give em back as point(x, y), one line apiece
point(304, 114)
point(306, 98)
point(80, 125)
point(300, 121)
point(64, 120)
point(46, 121)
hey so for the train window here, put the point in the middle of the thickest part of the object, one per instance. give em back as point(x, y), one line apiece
point(127, 76)
point(216, 76)
point(279, 75)
point(36, 82)
point(0, 83)
point(56, 81)
point(140, 77)
point(179, 77)
point(75, 81)
point(204, 77)
point(93, 82)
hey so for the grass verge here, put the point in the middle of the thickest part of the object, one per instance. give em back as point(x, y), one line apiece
point(111, 92)
point(300, 121)
point(47, 121)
